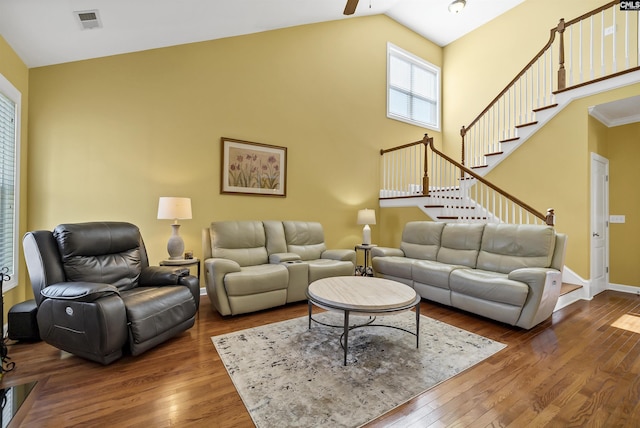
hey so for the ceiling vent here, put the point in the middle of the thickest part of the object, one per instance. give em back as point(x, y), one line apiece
point(88, 19)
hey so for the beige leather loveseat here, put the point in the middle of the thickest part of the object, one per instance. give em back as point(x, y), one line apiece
point(506, 272)
point(255, 265)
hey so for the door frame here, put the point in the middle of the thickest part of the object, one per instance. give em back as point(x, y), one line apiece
point(593, 209)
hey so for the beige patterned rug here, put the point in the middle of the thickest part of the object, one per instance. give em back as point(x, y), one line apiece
point(290, 376)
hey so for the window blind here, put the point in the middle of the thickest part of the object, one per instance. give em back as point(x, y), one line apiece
point(413, 89)
point(7, 183)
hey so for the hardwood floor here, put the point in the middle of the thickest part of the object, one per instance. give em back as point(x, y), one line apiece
point(575, 369)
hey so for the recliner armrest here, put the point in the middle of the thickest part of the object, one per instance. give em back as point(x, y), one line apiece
point(78, 291)
point(161, 275)
point(339, 254)
point(284, 257)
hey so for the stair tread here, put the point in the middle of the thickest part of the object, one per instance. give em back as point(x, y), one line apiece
point(566, 288)
point(522, 125)
point(535, 110)
point(508, 140)
point(494, 154)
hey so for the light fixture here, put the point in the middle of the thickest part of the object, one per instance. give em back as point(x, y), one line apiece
point(457, 6)
point(366, 217)
point(170, 208)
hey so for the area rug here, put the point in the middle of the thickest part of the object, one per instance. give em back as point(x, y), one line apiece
point(288, 375)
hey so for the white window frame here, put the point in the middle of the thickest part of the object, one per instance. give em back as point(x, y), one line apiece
point(395, 51)
point(9, 91)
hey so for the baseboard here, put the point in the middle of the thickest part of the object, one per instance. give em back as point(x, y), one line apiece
point(624, 288)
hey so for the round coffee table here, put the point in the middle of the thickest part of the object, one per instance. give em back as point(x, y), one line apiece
point(363, 296)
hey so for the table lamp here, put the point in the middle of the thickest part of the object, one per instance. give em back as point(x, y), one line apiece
point(170, 208)
point(366, 217)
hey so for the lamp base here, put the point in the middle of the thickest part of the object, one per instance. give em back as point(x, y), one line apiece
point(366, 235)
point(175, 245)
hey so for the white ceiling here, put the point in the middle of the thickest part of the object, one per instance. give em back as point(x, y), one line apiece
point(616, 113)
point(46, 32)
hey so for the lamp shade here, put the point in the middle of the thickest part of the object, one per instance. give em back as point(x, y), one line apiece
point(171, 208)
point(366, 216)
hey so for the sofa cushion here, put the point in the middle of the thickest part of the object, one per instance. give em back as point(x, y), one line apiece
point(241, 241)
point(399, 267)
point(101, 252)
point(421, 239)
point(305, 239)
point(491, 286)
point(506, 247)
point(256, 279)
point(460, 244)
point(274, 233)
point(325, 268)
point(433, 273)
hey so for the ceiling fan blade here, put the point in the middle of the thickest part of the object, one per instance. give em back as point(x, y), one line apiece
point(350, 8)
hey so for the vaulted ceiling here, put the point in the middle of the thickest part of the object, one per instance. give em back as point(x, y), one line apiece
point(46, 32)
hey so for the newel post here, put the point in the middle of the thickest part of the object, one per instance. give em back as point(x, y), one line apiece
point(425, 176)
point(550, 219)
point(562, 78)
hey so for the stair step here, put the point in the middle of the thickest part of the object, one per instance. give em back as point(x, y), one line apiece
point(508, 140)
point(475, 167)
point(451, 207)
point(566, 288)
point(535, 110)
point(455, 217)
point(445, 197)
point(494, 154)
point(522, 125)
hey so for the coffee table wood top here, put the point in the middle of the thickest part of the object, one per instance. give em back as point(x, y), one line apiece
point(360, 293)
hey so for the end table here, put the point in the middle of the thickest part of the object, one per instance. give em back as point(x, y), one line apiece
point(182, 262)
point(367, 249)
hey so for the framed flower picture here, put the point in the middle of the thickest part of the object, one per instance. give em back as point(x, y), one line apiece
point(253, 168)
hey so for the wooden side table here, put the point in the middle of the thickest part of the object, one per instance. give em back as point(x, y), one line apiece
point(367, 249)
point(183, 262)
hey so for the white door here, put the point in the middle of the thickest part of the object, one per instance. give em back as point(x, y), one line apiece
point(599, 224)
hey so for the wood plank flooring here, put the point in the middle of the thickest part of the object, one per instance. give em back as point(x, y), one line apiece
point(575, 369)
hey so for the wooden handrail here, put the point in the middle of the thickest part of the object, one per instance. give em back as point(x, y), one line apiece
point(428, 141)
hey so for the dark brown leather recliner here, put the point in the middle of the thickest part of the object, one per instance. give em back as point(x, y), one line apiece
point(97, 295)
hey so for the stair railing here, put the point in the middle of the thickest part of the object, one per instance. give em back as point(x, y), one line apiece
point(584, 54)
point(451, 186)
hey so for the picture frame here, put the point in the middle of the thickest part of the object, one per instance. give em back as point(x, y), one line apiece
point(250, 168)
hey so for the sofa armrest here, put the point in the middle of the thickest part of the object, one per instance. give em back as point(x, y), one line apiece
point(340, 254)
point(544, 290)
point(386, 252)
point(155, 276)
point(215, 270)
point(78, 291)
point(283, 257)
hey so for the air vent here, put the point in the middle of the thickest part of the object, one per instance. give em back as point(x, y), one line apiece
point(88, 19)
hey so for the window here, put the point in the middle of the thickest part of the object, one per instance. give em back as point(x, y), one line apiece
point(413, 89)
point(10, 99)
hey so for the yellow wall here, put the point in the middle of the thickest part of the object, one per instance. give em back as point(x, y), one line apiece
point(16, 72)
point(111, 135)
point(623, 151)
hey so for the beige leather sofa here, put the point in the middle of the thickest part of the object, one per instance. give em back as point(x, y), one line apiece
point(255, 265)
point(506, 272)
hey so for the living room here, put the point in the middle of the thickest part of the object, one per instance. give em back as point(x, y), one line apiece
point(104, 138)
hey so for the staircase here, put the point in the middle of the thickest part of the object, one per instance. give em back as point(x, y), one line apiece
point(417, 174)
